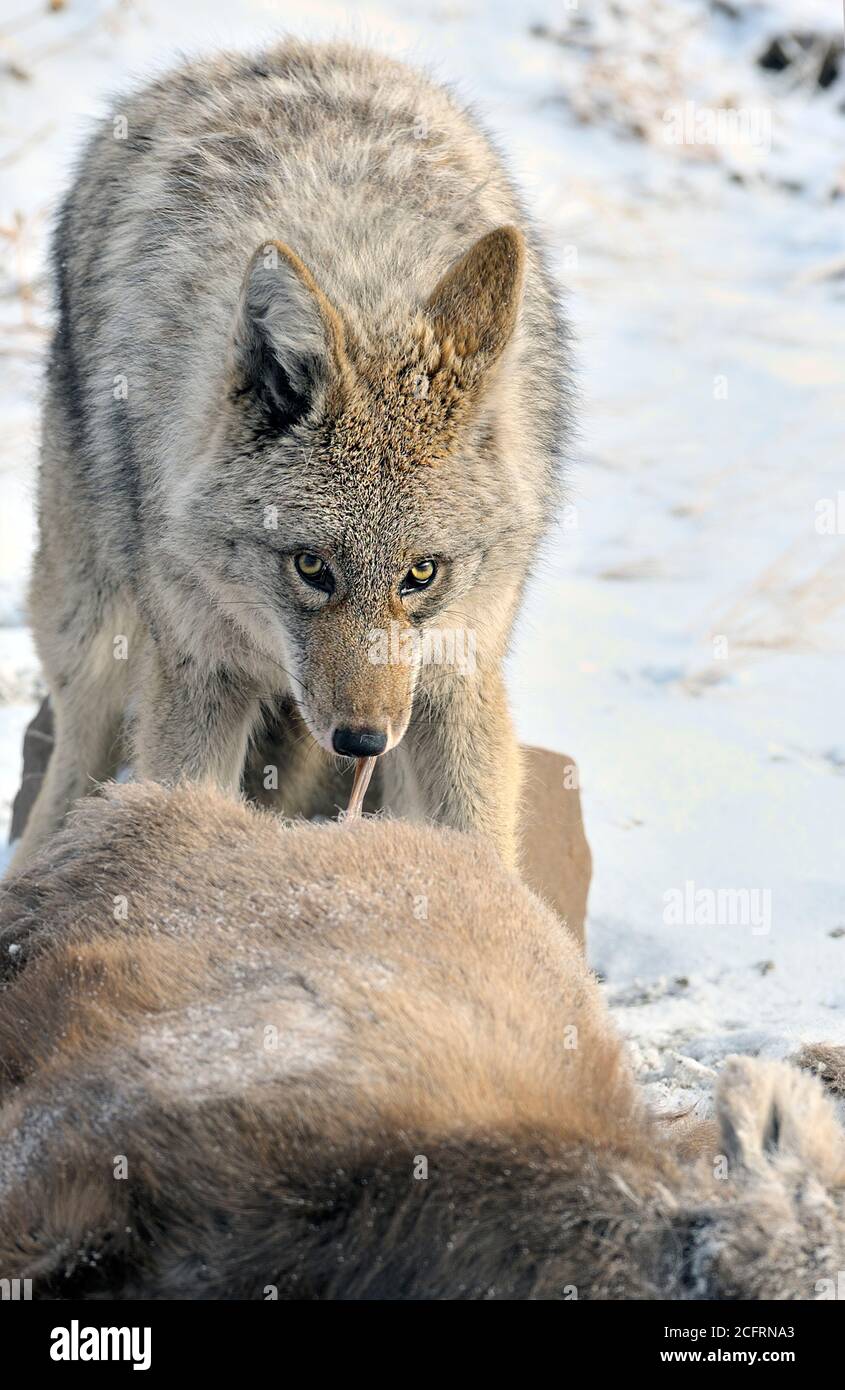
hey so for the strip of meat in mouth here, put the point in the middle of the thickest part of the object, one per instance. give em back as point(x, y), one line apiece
point(363, 773)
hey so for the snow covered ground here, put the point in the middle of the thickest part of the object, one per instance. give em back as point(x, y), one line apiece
point(684, 639)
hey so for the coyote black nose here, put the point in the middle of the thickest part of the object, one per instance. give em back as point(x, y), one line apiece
point(359, 743)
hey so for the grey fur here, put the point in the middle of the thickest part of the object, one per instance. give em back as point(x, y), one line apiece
point(187, 395)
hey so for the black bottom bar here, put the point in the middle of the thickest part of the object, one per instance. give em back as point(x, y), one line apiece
point(260, 1339)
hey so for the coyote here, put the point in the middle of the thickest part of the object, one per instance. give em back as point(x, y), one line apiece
point(240, 1059)
point(305, 407)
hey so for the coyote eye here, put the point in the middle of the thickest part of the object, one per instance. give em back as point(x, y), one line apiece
point(419, 576)
point(314, 571)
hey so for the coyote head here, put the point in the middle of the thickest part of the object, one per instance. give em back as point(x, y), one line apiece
point(353, 502)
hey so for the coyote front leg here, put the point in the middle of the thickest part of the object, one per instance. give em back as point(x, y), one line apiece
point(466, 759)
point(193, 723)
point(88, 695)
point(87, 725)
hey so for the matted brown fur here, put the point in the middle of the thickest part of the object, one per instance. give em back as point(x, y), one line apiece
point(356, 1061)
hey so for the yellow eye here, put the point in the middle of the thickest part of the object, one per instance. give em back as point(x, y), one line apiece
point(309, 566)
point(314, 571)
point(419, 575)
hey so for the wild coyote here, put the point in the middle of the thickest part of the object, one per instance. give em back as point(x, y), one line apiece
point(305, 405)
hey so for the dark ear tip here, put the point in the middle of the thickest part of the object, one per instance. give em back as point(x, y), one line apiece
point(509, 237)
point(499, 263)
point(506, 244)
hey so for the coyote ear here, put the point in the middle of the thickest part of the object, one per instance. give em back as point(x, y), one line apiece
point(288, 338)
point(474, 307)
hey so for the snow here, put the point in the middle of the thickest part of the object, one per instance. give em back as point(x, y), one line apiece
point(683, 637)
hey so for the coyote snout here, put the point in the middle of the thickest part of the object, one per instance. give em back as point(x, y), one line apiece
point(349, 705)
point(359, 743)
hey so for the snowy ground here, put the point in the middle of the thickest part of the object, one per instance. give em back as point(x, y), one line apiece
point(685, 636)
